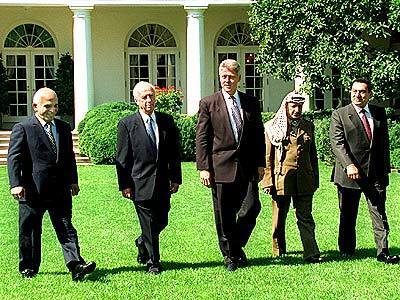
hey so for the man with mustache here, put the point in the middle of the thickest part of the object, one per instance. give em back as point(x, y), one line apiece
point(360, 141)
point(230, 155)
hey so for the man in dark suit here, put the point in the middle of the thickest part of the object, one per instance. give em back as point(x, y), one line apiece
point(43, 177)
point(360, 142)
point(230, 155)
point(292, 174)
point(149, 170)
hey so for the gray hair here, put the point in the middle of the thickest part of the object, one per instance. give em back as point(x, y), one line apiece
point(41, 92)
point(230, 64)
point(140, 87)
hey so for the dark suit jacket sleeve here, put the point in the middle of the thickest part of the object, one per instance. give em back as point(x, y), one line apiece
point(124, 157)
point(17, 152)
point(314, 157)
point(338, 140)
point(174, 164)
point(204, 138)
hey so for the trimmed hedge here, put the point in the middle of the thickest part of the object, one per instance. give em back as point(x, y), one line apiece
point(98, 133)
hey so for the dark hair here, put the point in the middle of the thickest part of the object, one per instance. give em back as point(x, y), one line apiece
point(363, 80)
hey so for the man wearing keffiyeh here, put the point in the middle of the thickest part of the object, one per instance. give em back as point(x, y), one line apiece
point(291, 174)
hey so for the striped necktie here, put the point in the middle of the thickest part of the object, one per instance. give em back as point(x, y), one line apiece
point(151, 134)
point(237, 118)
point(49, 133)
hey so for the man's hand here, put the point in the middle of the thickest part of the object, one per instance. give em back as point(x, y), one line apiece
point(18, 192)
point(206, 178)
point(352, 172)
point(127, 193)
point(174, 187)
point(75, 189)
point(261, 172)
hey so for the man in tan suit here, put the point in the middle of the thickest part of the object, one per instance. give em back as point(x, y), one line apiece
point(291, 173)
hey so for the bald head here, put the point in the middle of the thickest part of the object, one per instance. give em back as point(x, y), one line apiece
point(45, 104)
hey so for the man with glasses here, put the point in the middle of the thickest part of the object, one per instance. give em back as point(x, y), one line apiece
point(360, 141)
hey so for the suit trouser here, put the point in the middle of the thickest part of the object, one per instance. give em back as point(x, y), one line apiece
point(305, 224)
point(153, 218)
point(349, 200)
point(236, 207)
point(30, 230)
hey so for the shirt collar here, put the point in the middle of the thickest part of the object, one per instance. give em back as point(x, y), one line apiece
point(358, 109)
point(146, 116)
point(43, 122)
point(227, 96)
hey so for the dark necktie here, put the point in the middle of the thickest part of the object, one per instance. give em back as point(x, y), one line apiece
point(366, 125)
point(49, 133)
point(151, 134)
point(237, 118)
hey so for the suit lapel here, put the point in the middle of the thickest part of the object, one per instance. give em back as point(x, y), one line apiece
point(376, 122)
point(39, 131)
point(355, 119)
point(223, 113)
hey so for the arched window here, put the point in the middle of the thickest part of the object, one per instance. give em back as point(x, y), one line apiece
point(235, 35)
point(235, 42)
point(152, 56)
point(30, 59)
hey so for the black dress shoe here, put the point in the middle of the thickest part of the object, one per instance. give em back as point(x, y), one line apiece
point(28, 273)
point(80, 270)
point(313, 259)
point(155, 269)
point(388, 259)
point(242, 259)
point(230, 264)
point(143, 255)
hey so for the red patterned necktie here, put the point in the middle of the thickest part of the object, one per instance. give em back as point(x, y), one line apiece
point(366, 125)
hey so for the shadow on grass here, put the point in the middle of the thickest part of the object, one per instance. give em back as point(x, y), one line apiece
point(292, 258)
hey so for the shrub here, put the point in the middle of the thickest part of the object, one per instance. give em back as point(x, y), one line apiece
point(4, 99)
point(322, 141)
point(394, 141)
point(187, 129)
point(98, 131)
point(64, 85)
point(169, 100)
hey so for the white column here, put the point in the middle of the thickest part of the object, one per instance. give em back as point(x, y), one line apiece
point(195, 57)
point(83, 62)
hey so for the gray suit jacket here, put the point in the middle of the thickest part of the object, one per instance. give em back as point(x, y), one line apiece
point(351, 146)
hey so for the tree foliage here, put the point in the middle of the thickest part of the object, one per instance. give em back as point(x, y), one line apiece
point(350, 35)
point(4, 99)
point(64, 85)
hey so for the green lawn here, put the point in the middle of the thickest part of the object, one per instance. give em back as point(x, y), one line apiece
point(107, 226)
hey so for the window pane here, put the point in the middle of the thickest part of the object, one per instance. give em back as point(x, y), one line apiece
point(161, 59)
point(144, 72)
point(39, 84)
point(39, 61)
point(39, 73)
point(49, 73)
point(161, 72)
point(10, 60)
point(21, 85)
point(22, 111)
point(13, 98)
point(133, 60)
point(22, 98)
point(144, 60)
point(249, 82)
point(13, 110)
point(12, 85)
point(21, 73)
point(162, 82)
point(21, 60)
point(249, 70)
point(49, 60)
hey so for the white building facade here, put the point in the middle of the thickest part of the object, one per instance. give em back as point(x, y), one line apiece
point(117, 43)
